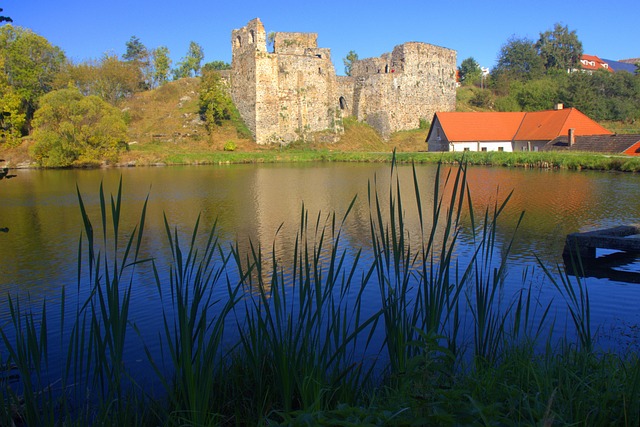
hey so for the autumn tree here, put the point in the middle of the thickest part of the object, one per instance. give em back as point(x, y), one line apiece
point(348, 61)
point(30, 64)
point(71, 129)
point(109, 78)
point(559, 49)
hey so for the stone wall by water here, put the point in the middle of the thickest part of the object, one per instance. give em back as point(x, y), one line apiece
point(293, 93)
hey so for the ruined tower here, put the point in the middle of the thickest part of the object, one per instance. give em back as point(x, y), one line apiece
point(288, 94)
point(293, 93)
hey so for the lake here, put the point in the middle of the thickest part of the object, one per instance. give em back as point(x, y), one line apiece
point(263, 204)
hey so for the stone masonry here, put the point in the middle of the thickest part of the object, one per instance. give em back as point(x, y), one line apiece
point(293, 93)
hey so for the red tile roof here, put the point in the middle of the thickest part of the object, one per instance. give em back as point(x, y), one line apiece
point(592, 62)
point(549, 124)
point(480, 126)
point(533, 126)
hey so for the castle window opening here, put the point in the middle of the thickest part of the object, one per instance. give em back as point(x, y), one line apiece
point(343, 103)
point(386, 69)
point(239, 41)
point(253, 36)
point(319, 70)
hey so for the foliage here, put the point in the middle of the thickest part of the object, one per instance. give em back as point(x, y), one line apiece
point(230, 146)
point(73, 129)
point(110, 78)
point(30, 64)
point(301, 327)
point(138, 54)
point(215, 66)
point(483, 98)
point(161, 65)
point(470, 72)
point(560, 49)
point(518, 60)
point(215, 102)
point(190, 65)
point(348, 61)
point(12, 115)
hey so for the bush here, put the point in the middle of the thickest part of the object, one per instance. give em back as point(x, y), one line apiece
point(230, 146)
point(72, 130)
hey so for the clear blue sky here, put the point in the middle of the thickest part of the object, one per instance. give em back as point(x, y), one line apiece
point(86, 29)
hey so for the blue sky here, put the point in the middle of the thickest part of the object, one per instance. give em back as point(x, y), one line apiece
point(86, 29)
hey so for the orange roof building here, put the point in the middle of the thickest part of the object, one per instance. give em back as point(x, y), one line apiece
point(591, 63)
point(453, 131)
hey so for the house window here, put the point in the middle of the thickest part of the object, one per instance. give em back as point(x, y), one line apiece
point(466, 148)
point(500, 148)
point(484, 148)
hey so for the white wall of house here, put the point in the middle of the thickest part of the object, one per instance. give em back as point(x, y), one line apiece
point(482, 146)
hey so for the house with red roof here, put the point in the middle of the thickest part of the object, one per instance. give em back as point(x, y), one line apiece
point(518, 131)
point(591, 63)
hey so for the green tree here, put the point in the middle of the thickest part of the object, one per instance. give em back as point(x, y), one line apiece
point(138, 54)
point(136, 51)
point(12, 115)
point(470, 72)
point(215, 65)
point(348, 61)
point(191, 64)
point(215, 103)
point(30, 64)
point(559, 49)
point(73, 129)
point(518, 60)
point(161, 65)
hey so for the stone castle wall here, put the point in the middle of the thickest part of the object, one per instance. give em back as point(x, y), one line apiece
point(293, 93)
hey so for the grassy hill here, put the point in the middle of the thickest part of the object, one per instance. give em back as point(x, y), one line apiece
point(164, 124)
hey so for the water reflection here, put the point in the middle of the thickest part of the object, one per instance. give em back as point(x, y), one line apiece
point(250, 202)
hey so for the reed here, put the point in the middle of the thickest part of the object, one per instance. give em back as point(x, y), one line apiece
point(250, 337)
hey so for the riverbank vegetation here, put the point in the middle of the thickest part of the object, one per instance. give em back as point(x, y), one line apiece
point(251, 337)
point(191, 119)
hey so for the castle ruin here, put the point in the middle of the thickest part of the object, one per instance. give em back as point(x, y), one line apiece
point(293, 92)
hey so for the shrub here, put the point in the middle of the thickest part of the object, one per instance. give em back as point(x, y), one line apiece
point(72, 129)
point(230, 146)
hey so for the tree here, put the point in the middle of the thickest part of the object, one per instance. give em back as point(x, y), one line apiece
point(470, 72)
point(30, 64)
point(161, 65)
point(12, 115)
point(215, 65)
point(191, 63)
point(559, 49)
point(348, 61)
point(518, 60)
point(73, 129)
point(215, 103)
point(110, 78)
point(138, 55)
point(136, 51)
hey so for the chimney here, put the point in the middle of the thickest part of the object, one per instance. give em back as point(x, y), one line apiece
point(558, 106)
point(572, 137)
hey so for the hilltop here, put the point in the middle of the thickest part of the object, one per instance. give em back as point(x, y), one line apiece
point(166, 121)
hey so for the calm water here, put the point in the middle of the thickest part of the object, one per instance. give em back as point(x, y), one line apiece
point(39, 254)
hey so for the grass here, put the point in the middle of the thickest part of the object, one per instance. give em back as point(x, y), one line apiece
point(289, 343)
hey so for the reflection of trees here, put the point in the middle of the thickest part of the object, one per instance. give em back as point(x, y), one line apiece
point(253, 202)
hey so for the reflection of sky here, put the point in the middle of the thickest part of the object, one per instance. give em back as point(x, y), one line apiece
point(39, 254)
